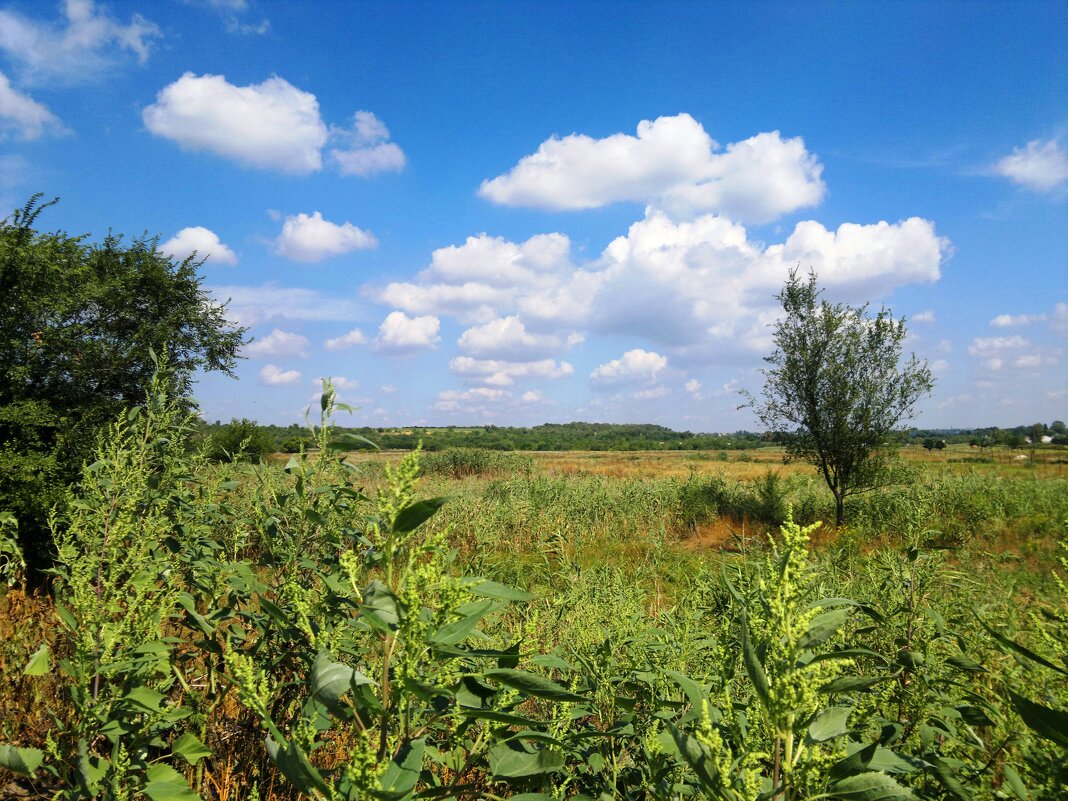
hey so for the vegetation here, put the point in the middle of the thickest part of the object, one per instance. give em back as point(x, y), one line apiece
point(79, 324)
point(836, 392)
point(540, 635)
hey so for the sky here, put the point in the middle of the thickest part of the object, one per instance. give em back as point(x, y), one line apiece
point(519, 213)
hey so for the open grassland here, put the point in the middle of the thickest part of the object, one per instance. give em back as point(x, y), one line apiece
point(643, 626)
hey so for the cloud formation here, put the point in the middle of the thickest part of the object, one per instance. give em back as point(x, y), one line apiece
point(1039, 166)
point(86, 43)
point(251, 305)
point(201, 241)
point(271, 125)
point(273, 376)
point(277, 343)
point(508, 338)
point(353, 337)
point(401, 334)
point(673, 163)
point(24, 117)
point(634, 365)
point(311, 238)
point(500, 373)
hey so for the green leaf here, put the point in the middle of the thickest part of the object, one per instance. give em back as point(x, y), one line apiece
point(848, 684)
point(491, 589)
point(698, 756)
point(695, 693)
point(1015, 783)
point(166, 784)
point(869, 787)
point(347, 441)
point(830, 723)
point(330, 680)
point(144, 699)
point(965, 664)
point(20, 760)
point(456, 631)
point(753, 667)
point(411, 517)
point(871, 757)
point(1051, 724)
point(190, 749)
point(511, 760)
point(40, 663)
point(1022, 650)
point(533, 684)
point(380, 606)
point(400, 776)
point(822, 627)
point(295, 766)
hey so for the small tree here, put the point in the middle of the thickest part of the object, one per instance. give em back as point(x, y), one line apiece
point(836, 392)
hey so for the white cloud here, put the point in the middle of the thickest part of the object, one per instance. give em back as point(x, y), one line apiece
point(672, 161)
point(202, 241)
point(400, 333)
point(1016, 320)
point(927, 316)
point(1041, 166)
point(1060, 319)
point(81, 47)
point(693, 386)
point(387, 389)
point(652, 394)
point(340, 382)
point(270, 125)
point(497, 262)
point(251, 305)
point(634, 365)
point(472, 301)
point(508, 338)
point(994, 352)
point(23, 116)
point(500, 373)
point(369, 150)
point(532, 396)
point(308, 239)
point(353, 337)
point(277, 343)
point(275, 376)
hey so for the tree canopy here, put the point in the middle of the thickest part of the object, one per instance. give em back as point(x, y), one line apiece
point(79, 323)
point(836, 390)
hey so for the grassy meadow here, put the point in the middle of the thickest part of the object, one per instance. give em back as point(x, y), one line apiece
point(551, 625)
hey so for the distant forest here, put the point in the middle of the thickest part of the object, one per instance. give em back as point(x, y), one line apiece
point(592, 437)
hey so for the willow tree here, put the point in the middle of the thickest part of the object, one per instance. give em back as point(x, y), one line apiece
point(837, 390)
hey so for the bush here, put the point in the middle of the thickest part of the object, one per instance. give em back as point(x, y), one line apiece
point(240, 441)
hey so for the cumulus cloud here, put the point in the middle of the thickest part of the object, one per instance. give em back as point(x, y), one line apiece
point(251, 305)
point(634, 365)
point(402, 334)
point(271, 125)
point(652, 394)
point(311, 238)
point(1040, 166)
point(500, 373)
point(277, 343)
point(1016, 320)
point(22, 116)
point(275, 376)
point(353, 337)
point(673, 162)
point(201, 241)
point(508, 338)
point(927, 316)
point(368, 149)
point(693, 386)
point(80, 47)
point(995, 352)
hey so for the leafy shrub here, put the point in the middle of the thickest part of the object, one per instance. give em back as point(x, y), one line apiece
point(240, 441)
point(466, 462)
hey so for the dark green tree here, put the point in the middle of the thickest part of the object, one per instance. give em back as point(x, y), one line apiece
point(241, 441)
point(79, 325)
point(836, 391)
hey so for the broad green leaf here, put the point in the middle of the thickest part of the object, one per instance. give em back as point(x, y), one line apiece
point(347, 441)
point(869, 787)
point(848, 684)
point(40, 663)
point(295, 766)
point(698, 756)
point(551, 661)
point(498, 717)
point(145, 699)
point(1052, 724)
point(1015, 783)
point(695, 693)
point(166, 784)
point(870, 757)
point(380, 606)
point(753, 667)
point(411, 517)
point(20, 760)
point(456, 631)
point(533, 684)
point(330, 680)
point(965, 664)
point(1022, 650)
point(822, 627)
point(511, 760)
point(400, 776)
point(190, 748)
point(491, 589)
point(830, 723)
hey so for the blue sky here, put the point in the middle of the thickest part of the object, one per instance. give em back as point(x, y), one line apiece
point(519, 213)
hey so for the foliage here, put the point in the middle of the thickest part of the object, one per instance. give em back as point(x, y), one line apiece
point(835, 393)
point(78, 325)
point(240, 441)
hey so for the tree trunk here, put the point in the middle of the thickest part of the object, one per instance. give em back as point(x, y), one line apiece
point(839, 509)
